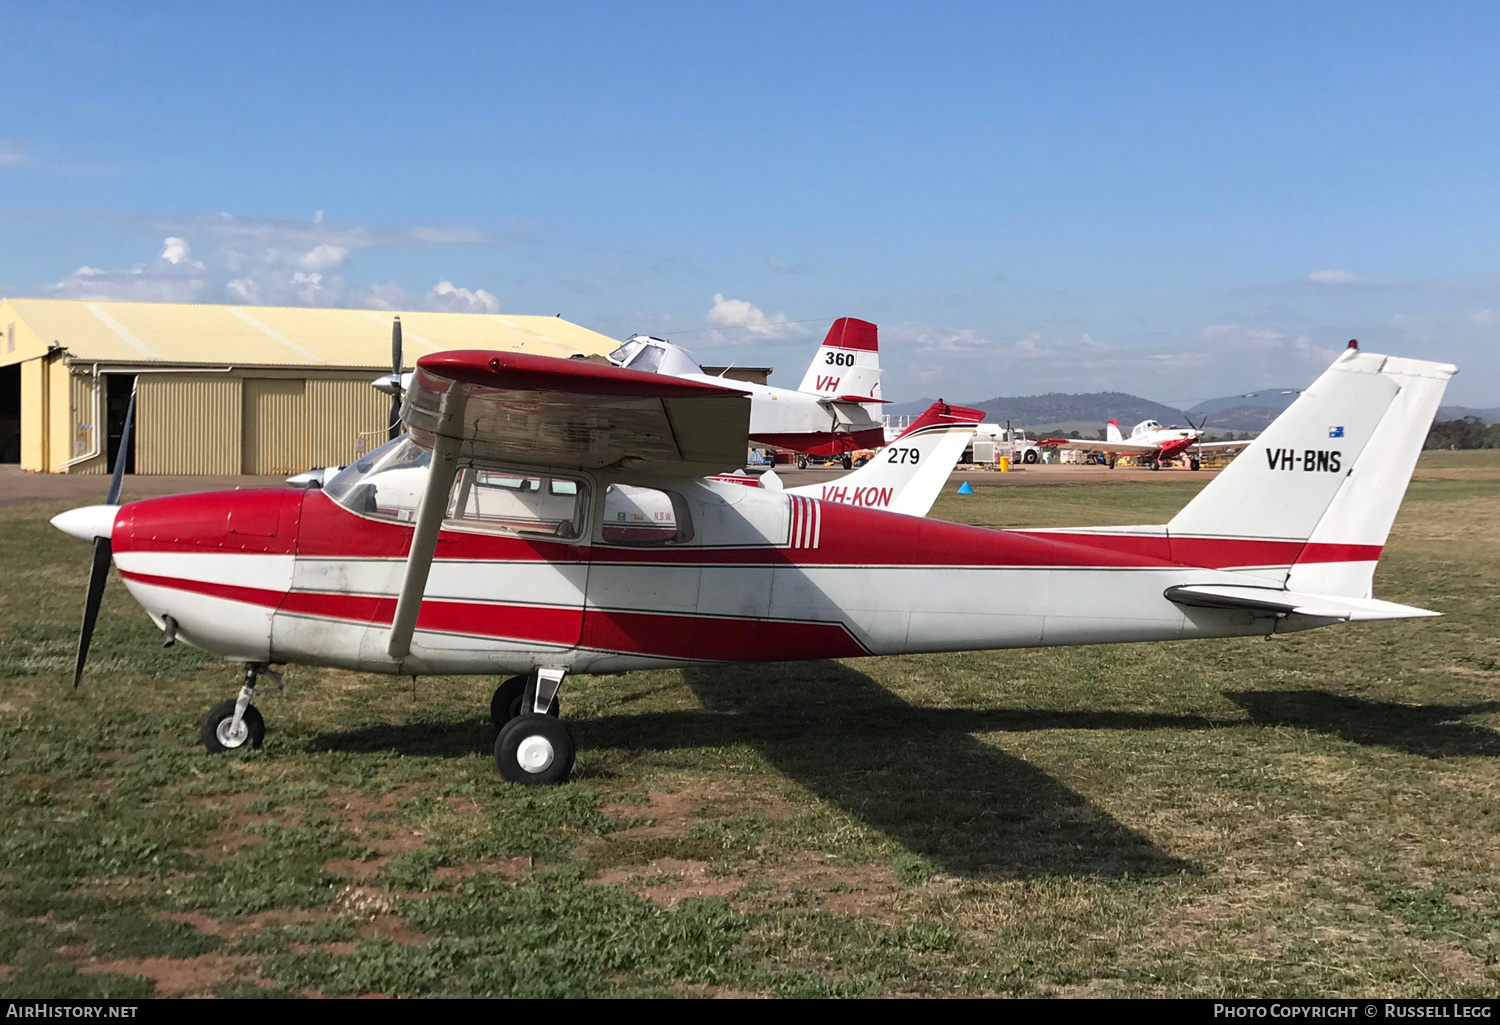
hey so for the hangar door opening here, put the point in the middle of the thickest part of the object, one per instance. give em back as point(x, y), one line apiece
point(10, 413)
point(117, 405)
point(275, 436)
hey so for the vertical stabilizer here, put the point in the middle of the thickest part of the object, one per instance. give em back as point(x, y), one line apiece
point(908, 474)
point(847, 363)
point(1112, 432)
point(1329, 472)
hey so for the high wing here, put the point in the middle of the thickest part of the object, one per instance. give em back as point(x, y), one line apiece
point(1097, 446)
point(541, 410)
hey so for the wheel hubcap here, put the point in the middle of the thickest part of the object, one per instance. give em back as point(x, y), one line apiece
point(231, 735)
point(535, 754)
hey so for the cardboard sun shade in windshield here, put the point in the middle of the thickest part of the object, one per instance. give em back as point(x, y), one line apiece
point(514, 407)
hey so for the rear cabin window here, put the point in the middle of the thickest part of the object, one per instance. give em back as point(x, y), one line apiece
point(493, 500)
point(645, 516)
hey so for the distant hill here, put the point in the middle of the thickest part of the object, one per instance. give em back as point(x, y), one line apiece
point(1489, 416)
point(1059, 413)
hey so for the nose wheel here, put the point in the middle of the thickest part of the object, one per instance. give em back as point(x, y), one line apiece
point(237, 725)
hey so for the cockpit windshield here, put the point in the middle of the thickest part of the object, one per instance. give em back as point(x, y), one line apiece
point(639, 354)
point(386, 483)
point(622, 356)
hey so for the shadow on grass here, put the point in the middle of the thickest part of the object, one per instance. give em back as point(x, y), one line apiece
point(1432, 731)
point(916, 774)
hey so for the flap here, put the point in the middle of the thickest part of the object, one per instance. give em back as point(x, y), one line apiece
point(544, 411)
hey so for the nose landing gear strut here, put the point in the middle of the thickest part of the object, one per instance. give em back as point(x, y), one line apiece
point(236, 724)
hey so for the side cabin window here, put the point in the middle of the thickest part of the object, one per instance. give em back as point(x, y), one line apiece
point(513, 503)
point(645, 516)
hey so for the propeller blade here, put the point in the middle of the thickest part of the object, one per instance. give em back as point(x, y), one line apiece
point(98, 575)
point(397, 368)
point(117, 481)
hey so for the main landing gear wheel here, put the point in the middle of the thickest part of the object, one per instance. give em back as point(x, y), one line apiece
point(219, 733)
point(535, 750)
point(506, 703)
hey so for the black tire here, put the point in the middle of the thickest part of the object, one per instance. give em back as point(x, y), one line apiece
point(505, 705)
point(848, 462)
point(253, 727)
point(1030, 456)
point(801, 462)
point(557, 744)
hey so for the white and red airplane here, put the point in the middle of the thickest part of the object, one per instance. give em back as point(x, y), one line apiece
point(1149, 439)
point(480, 576)
point(830, 413)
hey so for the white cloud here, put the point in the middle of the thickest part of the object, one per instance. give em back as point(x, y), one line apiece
point(1334, 277)
point(265, 262)
point(11, 156)
point(323, 256)
point(176, 250)
point(447, 295)
point(739, 322)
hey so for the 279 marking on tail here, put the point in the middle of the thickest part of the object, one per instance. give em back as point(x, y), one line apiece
point(1316, 460)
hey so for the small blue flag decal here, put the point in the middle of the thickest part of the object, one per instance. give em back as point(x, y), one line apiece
point(965, 488)
point(1335, 432)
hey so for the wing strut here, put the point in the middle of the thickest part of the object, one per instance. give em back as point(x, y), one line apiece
point(446, 443)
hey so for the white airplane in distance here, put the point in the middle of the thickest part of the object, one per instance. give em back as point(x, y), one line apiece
point(829, 414)
point(1150, 439)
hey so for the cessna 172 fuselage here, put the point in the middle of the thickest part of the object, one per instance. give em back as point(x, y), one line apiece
point(562, 525)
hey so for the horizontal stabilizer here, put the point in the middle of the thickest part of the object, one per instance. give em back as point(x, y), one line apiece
point(1274, 599)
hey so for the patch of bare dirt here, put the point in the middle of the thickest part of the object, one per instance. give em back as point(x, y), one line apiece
point(511, 868)
point(182, 976)
point(384, 840)
point(6, 973)
point(707, 991)
point(394, 929)
point(668, 880)
point(663, 814)
point(847, 889)
point(869, 890)
point(234, 928)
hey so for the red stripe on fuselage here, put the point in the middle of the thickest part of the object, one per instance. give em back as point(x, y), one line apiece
point(704, 638)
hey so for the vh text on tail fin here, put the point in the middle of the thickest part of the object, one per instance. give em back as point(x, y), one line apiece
point(1329, 473)
point(847, 363)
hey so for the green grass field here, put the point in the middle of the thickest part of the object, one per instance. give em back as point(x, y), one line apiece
point(1313, 815)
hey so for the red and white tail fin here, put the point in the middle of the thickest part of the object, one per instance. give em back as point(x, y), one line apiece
point(1112, 432)
point(908, 474)
point(1330, 472)
point(847, 364)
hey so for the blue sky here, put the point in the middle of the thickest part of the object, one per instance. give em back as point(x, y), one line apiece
point(1176, 200)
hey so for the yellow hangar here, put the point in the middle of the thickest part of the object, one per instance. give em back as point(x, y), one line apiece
point(223, 389)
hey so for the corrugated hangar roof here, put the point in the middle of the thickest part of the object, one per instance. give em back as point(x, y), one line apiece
point(204, 335)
